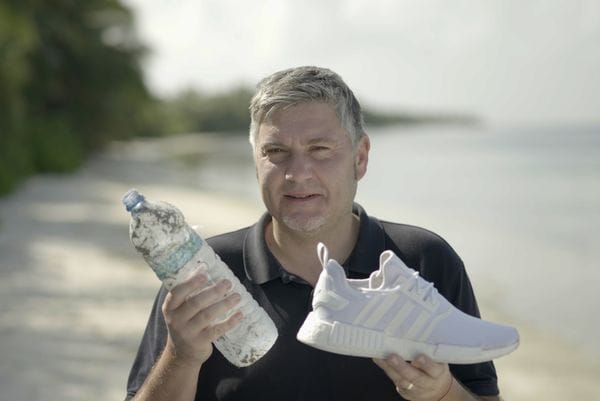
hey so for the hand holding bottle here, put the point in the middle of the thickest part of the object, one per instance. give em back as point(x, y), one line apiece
point(191, 311)
point(197, 313)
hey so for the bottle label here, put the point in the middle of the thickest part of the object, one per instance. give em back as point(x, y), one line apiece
point(170, 265)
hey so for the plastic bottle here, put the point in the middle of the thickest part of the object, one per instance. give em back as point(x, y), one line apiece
point(175, 251)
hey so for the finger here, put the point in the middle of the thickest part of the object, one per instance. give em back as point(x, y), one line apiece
point(402, 384)
point(395, 367)
point(427, 365)
point(213, 332)
point(205, 298)
point(405, 389)
point(406, 371)
point(209, 315)
point(178, 294)
point(388, 369)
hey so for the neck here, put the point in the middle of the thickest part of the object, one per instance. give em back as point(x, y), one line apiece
point(297, 251)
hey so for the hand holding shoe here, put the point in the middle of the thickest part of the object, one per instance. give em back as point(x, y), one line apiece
point(419, 380)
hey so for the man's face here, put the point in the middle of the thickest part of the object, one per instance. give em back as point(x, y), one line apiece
point(306, 167)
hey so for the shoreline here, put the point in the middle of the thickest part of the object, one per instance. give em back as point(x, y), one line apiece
point(74, 295)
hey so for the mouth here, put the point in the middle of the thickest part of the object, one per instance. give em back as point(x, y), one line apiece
point(301, 197)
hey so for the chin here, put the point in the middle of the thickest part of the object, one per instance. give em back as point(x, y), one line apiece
point(303, 224)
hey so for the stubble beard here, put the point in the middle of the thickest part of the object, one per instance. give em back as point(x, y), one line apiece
point(304, 225)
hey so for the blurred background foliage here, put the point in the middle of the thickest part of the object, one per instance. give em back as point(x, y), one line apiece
point(70, 81)
point(195, 111)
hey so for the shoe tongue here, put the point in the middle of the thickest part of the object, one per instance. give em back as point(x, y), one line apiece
point(392, 269)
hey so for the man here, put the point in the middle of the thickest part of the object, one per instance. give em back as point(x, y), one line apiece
point(310, 151)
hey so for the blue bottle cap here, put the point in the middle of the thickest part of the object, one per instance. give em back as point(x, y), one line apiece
point(132, 198)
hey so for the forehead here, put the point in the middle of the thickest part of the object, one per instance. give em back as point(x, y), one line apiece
point(302, 121)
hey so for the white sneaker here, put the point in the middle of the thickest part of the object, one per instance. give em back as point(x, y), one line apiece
point(396, 311)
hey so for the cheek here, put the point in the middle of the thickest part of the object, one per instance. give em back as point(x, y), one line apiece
point(349, 182)
point(265, 174)
point(343, 171)
point(339, 179)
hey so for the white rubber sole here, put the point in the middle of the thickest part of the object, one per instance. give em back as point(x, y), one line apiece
point(341, 338)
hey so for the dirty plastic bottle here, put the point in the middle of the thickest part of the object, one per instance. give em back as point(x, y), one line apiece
point(175, 251)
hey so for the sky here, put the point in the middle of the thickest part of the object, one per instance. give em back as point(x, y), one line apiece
point(508, 61)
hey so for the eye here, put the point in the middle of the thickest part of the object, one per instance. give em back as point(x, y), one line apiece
point(274, 153)
point(320, 148)
point(320, 151)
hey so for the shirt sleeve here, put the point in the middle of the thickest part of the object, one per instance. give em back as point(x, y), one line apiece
point(152, 344)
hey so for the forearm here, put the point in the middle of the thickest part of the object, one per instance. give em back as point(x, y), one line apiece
point(170, 379)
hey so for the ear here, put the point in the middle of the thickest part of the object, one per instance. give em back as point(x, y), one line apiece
point(362, 157)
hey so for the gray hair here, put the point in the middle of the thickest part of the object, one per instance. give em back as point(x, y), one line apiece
point(293, 86)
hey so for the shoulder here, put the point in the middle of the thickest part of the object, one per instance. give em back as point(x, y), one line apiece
point(230, 248)
point(417, 241)
point(430, 254)
point(228, 245)
point(230, 242)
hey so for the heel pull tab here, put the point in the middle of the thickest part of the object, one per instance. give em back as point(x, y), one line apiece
point(330, 279)
point(322, 253)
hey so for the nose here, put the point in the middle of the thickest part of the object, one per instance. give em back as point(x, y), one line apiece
point(299, 169)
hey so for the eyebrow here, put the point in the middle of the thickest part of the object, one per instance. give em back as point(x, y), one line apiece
point(310, 141)
point(321, 140)
point(272, 143)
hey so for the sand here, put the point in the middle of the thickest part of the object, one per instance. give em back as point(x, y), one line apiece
point(74, 296)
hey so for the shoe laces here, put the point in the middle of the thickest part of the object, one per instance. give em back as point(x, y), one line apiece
point(423, 289)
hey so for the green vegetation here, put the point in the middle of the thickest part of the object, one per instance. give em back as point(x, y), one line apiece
point(378, 118)
point(194, 111)
point(70, 82)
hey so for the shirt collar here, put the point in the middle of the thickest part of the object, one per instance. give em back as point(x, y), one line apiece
point(261, 266)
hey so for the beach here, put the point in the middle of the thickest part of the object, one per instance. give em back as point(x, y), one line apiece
point(74, 295)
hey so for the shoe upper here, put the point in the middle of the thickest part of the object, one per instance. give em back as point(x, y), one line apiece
point(396, 300)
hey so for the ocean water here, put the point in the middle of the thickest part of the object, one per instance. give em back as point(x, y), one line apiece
point(521, 206)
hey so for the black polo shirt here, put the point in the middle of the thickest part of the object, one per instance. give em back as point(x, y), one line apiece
point(292, 370)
